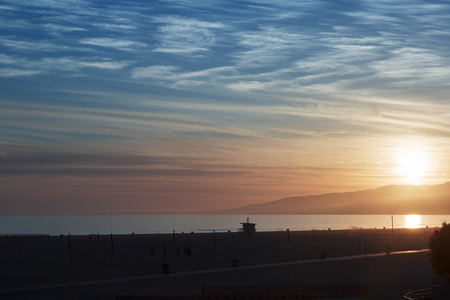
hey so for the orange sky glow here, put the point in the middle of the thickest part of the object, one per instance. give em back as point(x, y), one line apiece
point(131, 108)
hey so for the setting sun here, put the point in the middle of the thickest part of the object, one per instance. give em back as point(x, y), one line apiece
point(413, 221)
point(412, 166)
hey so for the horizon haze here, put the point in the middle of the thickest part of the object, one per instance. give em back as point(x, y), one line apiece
point(181, 106)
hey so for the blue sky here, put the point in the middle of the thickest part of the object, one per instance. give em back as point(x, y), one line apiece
point(156, 106)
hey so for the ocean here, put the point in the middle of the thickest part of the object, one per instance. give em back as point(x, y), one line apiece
point(141, 224)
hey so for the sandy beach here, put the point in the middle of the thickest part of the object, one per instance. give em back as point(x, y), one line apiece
point(132, 264)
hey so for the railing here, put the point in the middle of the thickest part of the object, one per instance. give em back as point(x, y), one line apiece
point(425, 294)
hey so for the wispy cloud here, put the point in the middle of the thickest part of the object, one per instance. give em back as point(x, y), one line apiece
point(156, 72)
point(413, 65)
point(20, 45)
point(52, 4)
point(179, 35)
point(118, 44)
point(7, 7)
point(8, 72)
point(50, 65)
point(62, 28)
point(105, 64)
point(5, 59)
point(175, 76)
point(268, 46)
point(115, 27)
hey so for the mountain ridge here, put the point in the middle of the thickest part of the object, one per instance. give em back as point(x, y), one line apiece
point(390, 199)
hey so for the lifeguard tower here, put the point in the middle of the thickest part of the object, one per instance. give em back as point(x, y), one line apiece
point(248, 228)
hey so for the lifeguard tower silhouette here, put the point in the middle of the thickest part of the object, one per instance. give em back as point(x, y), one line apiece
point(248, 228)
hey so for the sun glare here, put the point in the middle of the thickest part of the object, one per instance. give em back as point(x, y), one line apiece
point(413, 221)
point(412, 166)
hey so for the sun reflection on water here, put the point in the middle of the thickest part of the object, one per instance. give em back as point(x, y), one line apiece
point(413, 221)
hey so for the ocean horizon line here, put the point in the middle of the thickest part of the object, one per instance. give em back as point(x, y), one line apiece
point(141, 224)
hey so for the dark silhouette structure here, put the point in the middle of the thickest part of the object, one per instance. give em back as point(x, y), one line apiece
point(249, 228)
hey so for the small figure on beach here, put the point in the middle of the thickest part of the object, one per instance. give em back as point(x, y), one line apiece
point(388, 249)
point(187, 251)
point(151, 250)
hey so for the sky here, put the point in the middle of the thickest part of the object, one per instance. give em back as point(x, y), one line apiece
point(179, 106)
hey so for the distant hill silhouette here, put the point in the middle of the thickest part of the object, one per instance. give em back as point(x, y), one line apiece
point(392, 199)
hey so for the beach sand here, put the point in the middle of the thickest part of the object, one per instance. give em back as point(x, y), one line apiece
point(38, 261)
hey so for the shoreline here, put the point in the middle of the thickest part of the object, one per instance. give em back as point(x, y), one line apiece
point(212, 231)
point(118, 224)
